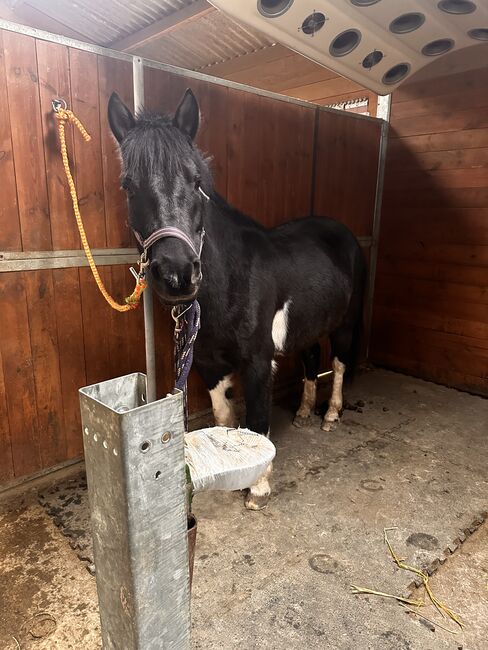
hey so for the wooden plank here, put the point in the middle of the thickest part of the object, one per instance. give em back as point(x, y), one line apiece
point(212, 138)
point(424, 366)
point(434, 225)
point(9, 212)
point(118, 326)
point(443, 351)
point(53, 66)
point(243, 127)
point(400, 160)
point(323, 89)
point(441, 197)
point(431, 319)
point(45, 359)
point(431, 88)
point(27, 140)
point(428, 270)
point(6, 460)
point(95, 314)
point(456, 99)
point(114, 75)
point(71, 354)
point(289, 71)
point(252, 61)
point(87, 155)
point(464, 139)
point(164, 90)
point(438, 178)
point(447, 120)
point(347, 149)
point(270, 159)
point(18, 375)
point(421, 295)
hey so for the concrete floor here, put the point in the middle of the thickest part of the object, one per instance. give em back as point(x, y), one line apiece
point(414, 457)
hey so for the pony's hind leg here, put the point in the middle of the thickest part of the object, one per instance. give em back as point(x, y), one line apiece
point(332, 417)
point(311, 363)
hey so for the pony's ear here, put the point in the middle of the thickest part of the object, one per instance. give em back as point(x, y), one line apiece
point(120, 118)
point(187, 116)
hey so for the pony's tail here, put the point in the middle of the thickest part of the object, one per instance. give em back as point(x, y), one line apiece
point(353, 355)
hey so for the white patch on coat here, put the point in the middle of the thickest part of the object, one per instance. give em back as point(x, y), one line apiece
point(223, 408)
point(274, 367)
point(279, 329)
point(335, 402)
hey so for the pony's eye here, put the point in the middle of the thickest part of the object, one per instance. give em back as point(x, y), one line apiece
point(198, 182)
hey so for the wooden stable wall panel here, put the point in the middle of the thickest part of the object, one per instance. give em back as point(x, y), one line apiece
point(282, 71)
point(57, 332)
point(346, 169)
point(431, 299)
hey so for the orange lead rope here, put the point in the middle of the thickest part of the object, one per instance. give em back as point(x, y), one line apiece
point(132, 301)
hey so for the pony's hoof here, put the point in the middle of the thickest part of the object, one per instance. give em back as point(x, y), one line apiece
point(329, 426)
point(300, 421)
point(254, 502)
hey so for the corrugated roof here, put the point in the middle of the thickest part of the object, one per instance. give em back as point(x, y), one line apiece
point(203, 39)
point(105, 21)
point(202, 42)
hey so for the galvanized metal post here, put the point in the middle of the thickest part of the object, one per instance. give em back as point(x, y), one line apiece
point(134, 455)
point(138, 82)
point(384, 104)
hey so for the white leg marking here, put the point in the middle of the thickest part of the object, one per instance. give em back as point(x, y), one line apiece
point(335, 402)
point(223, 408)
point(309, 397)
point(280, 327)
point(274, 367)
point(260, 491)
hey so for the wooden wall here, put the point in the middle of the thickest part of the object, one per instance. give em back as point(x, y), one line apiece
point(431, 298)
point(282, 71)
point(58, 334)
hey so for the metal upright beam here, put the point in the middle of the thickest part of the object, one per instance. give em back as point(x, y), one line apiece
point(138, 81)
point(134, 455)
point(384, 104)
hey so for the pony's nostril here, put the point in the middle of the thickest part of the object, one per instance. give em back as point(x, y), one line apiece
point(196, 275)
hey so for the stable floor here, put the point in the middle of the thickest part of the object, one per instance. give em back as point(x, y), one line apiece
point(408, 454)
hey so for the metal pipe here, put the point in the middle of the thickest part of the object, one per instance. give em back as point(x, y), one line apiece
point(138, 82)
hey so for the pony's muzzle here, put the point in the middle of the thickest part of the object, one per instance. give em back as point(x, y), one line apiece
point(176, 281)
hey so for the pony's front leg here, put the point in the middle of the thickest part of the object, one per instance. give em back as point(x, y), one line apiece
point(257, 378)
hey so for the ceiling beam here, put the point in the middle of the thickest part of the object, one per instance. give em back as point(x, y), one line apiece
point(163, 26)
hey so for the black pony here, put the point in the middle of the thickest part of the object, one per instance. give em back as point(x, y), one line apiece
point(263, 292)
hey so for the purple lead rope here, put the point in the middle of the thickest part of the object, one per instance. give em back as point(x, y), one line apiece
point(186, 333)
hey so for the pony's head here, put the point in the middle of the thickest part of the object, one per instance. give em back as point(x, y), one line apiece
point(167, 182)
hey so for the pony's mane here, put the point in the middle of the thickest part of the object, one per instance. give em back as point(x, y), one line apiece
point(154, 146)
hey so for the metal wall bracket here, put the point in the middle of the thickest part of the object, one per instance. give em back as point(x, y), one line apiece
point(134, 453)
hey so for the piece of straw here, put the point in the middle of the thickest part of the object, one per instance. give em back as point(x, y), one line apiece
point(365, 590)
point(441, 608)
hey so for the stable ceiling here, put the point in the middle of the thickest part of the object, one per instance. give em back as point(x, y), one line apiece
point(377, 43)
